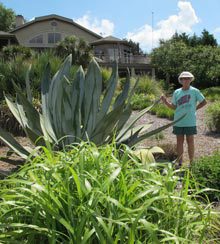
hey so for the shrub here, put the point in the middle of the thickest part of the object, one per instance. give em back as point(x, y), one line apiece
point(213, 117)
point(212, 93)
point(106, 73)
point(166, 86)
point(39, 63)
point(141, 101)
point(99, 195)
point(163, 111)
point(14, 70)
point(12, 51)
point(149, 86)
point(206, 172)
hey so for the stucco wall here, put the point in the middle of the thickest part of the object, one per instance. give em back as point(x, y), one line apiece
point(24, 35)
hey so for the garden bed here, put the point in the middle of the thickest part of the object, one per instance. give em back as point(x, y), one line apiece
point(205, 142)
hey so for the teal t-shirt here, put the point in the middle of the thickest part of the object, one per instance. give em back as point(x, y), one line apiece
point(186, 102)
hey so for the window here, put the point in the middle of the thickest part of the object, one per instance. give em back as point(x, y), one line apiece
point(37, 39)
point(54, 23)
point(54, 37)
point(113, 54)
point(127, 55)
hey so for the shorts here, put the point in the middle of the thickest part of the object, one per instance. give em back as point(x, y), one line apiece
point(184, 130)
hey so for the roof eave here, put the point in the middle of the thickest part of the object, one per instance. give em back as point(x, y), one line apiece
point(54, 16)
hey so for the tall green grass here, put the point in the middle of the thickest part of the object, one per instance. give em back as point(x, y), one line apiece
point(101, 195)
point(149, 86)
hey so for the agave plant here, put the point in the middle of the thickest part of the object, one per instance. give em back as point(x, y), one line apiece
point(75, 110)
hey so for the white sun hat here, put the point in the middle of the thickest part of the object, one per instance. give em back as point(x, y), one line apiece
point(185, 74)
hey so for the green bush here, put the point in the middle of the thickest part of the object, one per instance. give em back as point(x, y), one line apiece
point(206, 172)
point(212, 93)
point(106, 73)
point(212, 114)
point(14, 70)
point(39, 63)
point(166, 86)
point(149, 86)
point(162, 111)
point(12, 51)
point(141, 101)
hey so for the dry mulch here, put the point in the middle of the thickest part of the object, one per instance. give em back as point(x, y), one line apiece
point(205, 142)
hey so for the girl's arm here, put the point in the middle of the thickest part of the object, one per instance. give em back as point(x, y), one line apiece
point(167, 103)
point(202, 104)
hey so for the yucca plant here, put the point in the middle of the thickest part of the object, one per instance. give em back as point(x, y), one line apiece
point(76, 110)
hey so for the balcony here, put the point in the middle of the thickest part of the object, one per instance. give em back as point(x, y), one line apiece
point(140, 63)
point(132, 59)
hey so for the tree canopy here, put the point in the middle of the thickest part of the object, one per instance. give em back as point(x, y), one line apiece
point(206, 39)
point(7, 18)
point(135, 47)
point(199, 55)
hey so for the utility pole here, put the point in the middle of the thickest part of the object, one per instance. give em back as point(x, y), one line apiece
point(152, 28)
point(152, 44)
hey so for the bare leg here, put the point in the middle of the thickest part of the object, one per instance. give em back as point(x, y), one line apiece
point(180, 141)
point(191, 149)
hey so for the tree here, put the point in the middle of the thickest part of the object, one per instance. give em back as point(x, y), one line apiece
point(204, 63)
point(208, 39)
point(168, 59)
point(7, 18)
point(202, 60)
point(194, 40)
point(135, 47)
point(178, 37)
point(81, 51)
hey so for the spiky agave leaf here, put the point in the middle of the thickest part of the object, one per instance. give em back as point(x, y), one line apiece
point(55, 96)
point(8, 139)
point(138, 138)
point(45, 119)
point(26, 115)
point(92, 95)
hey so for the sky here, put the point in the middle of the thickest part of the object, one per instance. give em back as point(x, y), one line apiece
point(143, 21)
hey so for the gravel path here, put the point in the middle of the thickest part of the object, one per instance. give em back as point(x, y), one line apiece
point(205, 143)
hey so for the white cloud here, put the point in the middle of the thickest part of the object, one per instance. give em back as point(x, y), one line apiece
point(103, 27)
point(217, 30)
point(183, 21)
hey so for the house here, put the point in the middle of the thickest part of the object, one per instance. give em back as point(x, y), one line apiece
point(7, 39)
point(46, 31)
point(110, 48)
